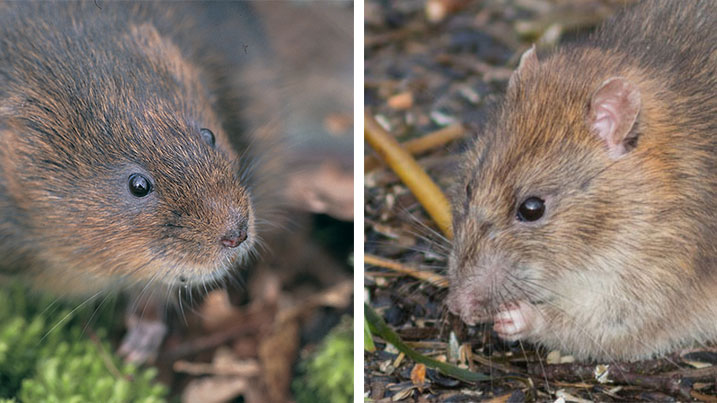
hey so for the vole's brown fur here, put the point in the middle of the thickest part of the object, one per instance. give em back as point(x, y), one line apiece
point(90, 94)
point(623, 264)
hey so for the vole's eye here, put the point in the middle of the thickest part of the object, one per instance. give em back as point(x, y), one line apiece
point(207, 136)
point(531, 209)
point(139, 185)
point(469, 190)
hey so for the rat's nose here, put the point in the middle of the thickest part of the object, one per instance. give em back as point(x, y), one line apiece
point(235, 237)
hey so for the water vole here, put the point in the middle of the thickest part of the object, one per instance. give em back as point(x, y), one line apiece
point(114, 162)
point(588, 213)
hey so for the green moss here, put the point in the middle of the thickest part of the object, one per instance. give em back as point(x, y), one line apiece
point(46, 354)
point(327, 375)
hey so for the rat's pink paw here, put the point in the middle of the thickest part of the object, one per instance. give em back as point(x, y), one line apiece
point(516, 320)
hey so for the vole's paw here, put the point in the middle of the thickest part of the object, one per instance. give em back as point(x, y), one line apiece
point(516, 320)
point(143, 339)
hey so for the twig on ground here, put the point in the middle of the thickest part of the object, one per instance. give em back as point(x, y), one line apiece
point(433, 278)
point(633, 374)
point(426, 191)
point(422, 144)
point(247, 369)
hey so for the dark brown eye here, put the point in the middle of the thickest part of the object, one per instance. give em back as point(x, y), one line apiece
point(139, 185)
point(469, 190)
point(532, 209)
point(207, 136)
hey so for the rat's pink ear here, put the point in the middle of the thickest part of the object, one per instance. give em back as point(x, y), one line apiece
point(528, 62)
point(613, 112)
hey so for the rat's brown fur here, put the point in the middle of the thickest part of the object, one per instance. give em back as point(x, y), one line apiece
point(90, 94)
point(623, 265)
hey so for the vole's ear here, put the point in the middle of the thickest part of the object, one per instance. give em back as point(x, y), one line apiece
point(614, 107)
point(528, 62)
point(160, 49)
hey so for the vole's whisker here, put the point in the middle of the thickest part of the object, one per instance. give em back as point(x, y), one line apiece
point(181, 306)
point(69, 314)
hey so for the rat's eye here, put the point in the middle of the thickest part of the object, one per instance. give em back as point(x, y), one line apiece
point(531, 209)
point(139, 185)
point(207, 136)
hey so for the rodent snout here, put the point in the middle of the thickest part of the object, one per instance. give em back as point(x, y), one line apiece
point(235, 237)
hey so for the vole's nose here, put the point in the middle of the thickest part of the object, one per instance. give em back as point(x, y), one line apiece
point(235, 237)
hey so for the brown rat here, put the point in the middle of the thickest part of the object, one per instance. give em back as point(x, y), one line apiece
point(588, 213)
point(116, 169)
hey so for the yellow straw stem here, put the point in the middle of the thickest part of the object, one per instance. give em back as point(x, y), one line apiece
point(426, 191)
point(422, 144)
point(425, 275)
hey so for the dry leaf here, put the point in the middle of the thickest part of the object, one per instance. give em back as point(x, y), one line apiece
point(277, 354)
point(402, 394)
point(326, 189)
point(401, 101)
point(418, 376)
point(398, 360)
point(338, 123)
